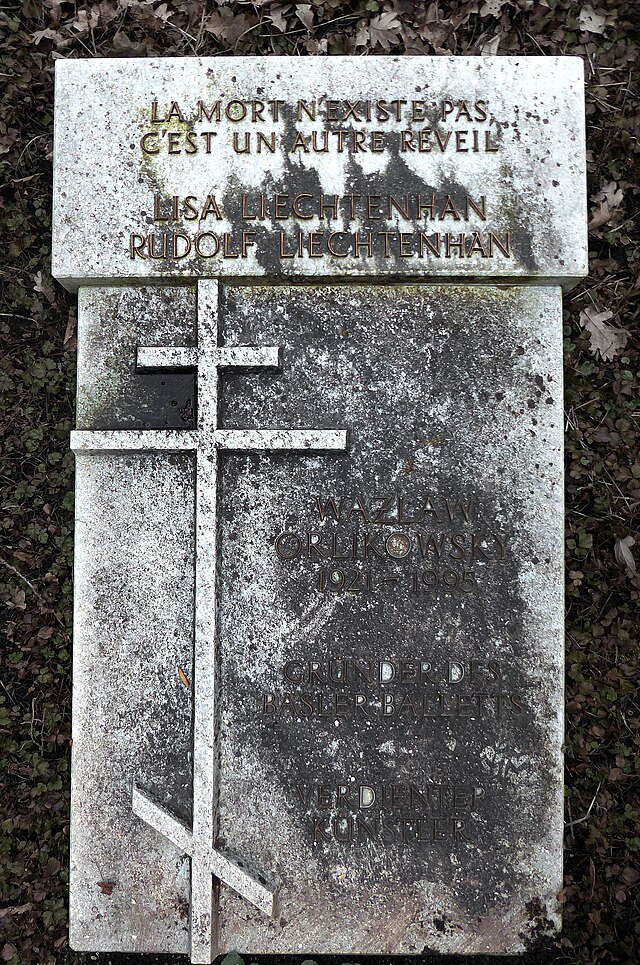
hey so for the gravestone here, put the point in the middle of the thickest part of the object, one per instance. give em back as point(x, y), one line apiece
point(318, 657)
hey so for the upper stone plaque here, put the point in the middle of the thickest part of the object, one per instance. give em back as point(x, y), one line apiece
point(377, 166)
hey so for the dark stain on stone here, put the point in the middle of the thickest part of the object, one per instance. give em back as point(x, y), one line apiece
point(375, 384)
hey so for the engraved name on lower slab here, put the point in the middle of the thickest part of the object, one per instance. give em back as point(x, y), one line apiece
point(353, 537)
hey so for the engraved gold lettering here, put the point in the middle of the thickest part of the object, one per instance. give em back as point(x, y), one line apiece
point(136, 246)
point(199, 247)
point(266, 141)
point(245, 146)
point(211, 207)
point(145, 141)
point(212, 113)
point(307, 108)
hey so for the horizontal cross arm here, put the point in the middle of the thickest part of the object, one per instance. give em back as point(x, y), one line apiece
point(248, 357)
point(318, 440)
point(160, 357)
point(181, 440)
point(246, 882)
point(166, 357)
point(229, 869)
point(134, 440)
point(162, 820)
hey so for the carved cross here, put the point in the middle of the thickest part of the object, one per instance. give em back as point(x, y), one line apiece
point(198, 842)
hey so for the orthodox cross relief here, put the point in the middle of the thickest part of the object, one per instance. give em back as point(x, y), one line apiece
point(209, 865)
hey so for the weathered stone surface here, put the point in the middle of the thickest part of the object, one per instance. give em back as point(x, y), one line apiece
point(318, 619)
point(450, 167)
point(437, 592)
point(133, 592)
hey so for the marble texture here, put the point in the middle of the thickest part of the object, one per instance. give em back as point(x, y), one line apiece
point(483, 156)
point(437, 572)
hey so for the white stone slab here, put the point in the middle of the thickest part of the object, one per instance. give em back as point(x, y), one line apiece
point(448, 392)
point(440, 167)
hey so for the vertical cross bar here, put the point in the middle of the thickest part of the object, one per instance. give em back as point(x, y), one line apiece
point(209, 865)
point(203, 885)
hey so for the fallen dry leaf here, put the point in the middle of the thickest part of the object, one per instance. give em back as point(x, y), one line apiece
point(385, 29)
point(15, 910)
point(623, 554)
point(604, 339)
point(304, 12)
point(605, 204)
point(43, 288)
point(19, 600)
point(106, 887)
point(47, 34)
point(591, 20)
point(69, 341)
point(277, 16)
point(227, 25)
point(490, 48)
point(183, 677)
point(492, 8)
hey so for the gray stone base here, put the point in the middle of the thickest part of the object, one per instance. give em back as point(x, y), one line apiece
point(415, 803)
